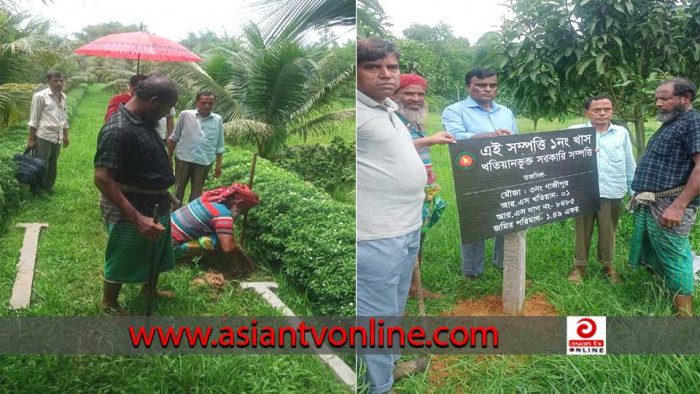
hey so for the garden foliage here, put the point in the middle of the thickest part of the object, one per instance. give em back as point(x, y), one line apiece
point(326, 166)
point(301, 230)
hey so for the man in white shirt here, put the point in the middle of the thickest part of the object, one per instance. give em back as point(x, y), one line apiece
point(197, 141)
point(390, 190)
point(616, 168)
point(48, 126)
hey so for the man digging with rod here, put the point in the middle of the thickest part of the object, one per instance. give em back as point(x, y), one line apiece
point(132, 172)
point(204, 227)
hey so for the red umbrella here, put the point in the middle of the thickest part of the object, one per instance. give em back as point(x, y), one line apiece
point(138, 45)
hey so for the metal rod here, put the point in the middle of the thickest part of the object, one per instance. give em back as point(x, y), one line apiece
point(151, 285)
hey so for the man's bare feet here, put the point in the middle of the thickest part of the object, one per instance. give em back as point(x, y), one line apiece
point(113, 309)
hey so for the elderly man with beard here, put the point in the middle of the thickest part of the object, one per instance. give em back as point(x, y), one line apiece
point(390, 192)
point(412, 111)
point(667, 183)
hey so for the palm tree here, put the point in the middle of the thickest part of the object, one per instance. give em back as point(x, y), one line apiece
point(17, 45)
point(289, 19)
point(266, 91)
point(27, 52)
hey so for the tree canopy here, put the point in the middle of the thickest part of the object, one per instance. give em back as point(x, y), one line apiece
point(553, 55)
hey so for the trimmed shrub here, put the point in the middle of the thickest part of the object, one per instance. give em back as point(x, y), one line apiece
point(326, 166)
point(73, 99)
point(11, 193)
point(300, 230)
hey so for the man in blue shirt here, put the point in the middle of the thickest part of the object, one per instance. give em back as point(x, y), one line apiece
point(477, 117)
point(616, 167)
point(198, 139)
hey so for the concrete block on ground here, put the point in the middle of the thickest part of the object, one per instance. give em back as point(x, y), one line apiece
point(341, 370)
point(22, 289)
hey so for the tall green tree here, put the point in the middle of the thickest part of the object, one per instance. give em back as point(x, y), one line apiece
point(372, 21)
point(558, 52)
point(443, 58)
point(93, 32)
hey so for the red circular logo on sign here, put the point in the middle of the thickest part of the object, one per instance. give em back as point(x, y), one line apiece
point(586, 328)
point(465, 161)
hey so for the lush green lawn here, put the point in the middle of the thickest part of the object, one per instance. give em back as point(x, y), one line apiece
point(549, 262)
point(68, 282)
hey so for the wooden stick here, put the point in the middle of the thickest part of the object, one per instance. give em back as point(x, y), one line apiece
point(250, 185)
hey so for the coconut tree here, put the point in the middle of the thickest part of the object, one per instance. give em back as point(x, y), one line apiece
point(266, 91)
point(290, 19)
point(18, 44)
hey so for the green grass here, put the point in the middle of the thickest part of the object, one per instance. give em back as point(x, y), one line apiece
point(550, 251)
point(68, 282)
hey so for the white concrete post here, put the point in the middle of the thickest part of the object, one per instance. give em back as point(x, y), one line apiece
point(514, 272)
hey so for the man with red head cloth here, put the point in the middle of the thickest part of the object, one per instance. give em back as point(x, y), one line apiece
point(205, 225)
point(410, 98)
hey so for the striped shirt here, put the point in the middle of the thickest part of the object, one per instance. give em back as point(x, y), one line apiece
point(424, 152)
point(198, 218)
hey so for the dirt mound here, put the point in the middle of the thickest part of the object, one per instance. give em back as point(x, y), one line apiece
point(211, 279)
point(536, 305)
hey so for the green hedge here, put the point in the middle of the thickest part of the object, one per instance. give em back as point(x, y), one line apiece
point(301, 230)
point(73, 99)
point(14, 140)
point(326, 166)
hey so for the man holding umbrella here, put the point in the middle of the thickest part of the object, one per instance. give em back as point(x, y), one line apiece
point(133, 175)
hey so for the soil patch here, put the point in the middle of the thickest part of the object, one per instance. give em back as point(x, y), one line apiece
point(441, 366)
point(211, 279)
point(492, 305)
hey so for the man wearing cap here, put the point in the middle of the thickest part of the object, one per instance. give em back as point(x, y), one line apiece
point(133, 175)
point(412, 110)
point(205, 225)
point(479, 116)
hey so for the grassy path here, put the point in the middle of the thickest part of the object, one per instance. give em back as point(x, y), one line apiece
point(550, 251)
point(68, 281)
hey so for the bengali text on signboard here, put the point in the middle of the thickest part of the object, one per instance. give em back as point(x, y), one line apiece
point(510, 183)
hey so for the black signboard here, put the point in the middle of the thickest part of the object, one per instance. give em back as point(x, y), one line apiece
point(510, 183)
